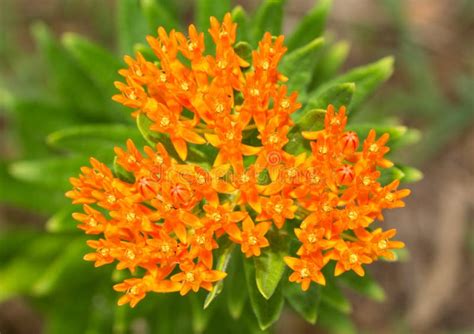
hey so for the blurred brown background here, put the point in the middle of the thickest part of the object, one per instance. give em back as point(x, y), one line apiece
point(433, 290)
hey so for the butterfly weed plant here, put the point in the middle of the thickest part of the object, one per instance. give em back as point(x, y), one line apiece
point(225, 179)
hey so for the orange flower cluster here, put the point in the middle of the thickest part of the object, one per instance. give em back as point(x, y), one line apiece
point(167, 221)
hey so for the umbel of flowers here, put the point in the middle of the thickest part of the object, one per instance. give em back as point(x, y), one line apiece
point(170, 215)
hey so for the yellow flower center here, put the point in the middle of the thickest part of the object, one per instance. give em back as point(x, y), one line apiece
point(230, 135)
point(92, 222)
point(353, 258)
point(111, 199)
point(163, 77)
point(192, 46)
point(131, 216)
point(265, 65)
point(304, 273)
point(323, 149)
point(327, 208)
point(138, 72)
point(292, 172)
point(165, 121)
point(278, 208)
point(185, 86)
point(104, 251)
point(335, 121)
point(134, 290)
point(159, 159)
point(366, 181)
point(373, 148)
point(189, 277)
point(312, 238)
point(252, 240)
point(315, 179)
point(273, 138)
point(200, 239)
point(389, 197)
point(285, 104)
point(382, 244)
point(254, 92)
point(244, 178)
point(216, 216)
point(130, 254)
point(353, 215)
point(200, 179)
point(219, 108)
point(221, 64)
point(165, 248)
point(132, 95)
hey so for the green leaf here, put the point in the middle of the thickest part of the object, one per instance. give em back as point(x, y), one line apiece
point(72, 87)
point(298, 66)
point(240, 17)
point(410, 174)
point(236, 289)
point(396, 132)
point(18, 193)
point(101, 67)
point(311, 26)
point(200, 317)
point(269, 266)
point(305, 303)
point(366, 78)
point(52, 172)
point(334, 321)
point(17, 276)
point(89, 139)
point(266, 311)
point(338, 95)
point(132, 26)
point(331, 295)
point(62, 221)
point(223, 258)
point(329, 63)
point(67, 266)
point(204, 10)
point(158, 14)
point(365, 285)
point(310, 120)
point(268, 18)
point(388, 175)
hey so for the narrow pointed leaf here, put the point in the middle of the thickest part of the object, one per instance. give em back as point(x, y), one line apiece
point(331, 295)
point(62, 221)
point(223, 260)
point(366, 78)
point(329, 63)
point(240, 17)
point(366, 285)
point(269, 266)
point(311, 26)
point(266, 311)
point(338, 95)
point(305, 303)
point(335, 322)
point(236, 288)
point(132, 26)
point(388, 175)
point(158, 15)
point(410, 174)
point(268, 18)
point(298, 66)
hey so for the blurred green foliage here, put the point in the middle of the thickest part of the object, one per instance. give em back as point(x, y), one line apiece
point(59, 112)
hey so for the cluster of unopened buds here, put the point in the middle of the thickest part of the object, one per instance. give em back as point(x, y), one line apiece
point(170, 217)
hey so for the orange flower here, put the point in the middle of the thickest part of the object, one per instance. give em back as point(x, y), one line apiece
point(251, 237)
point(168, 215)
